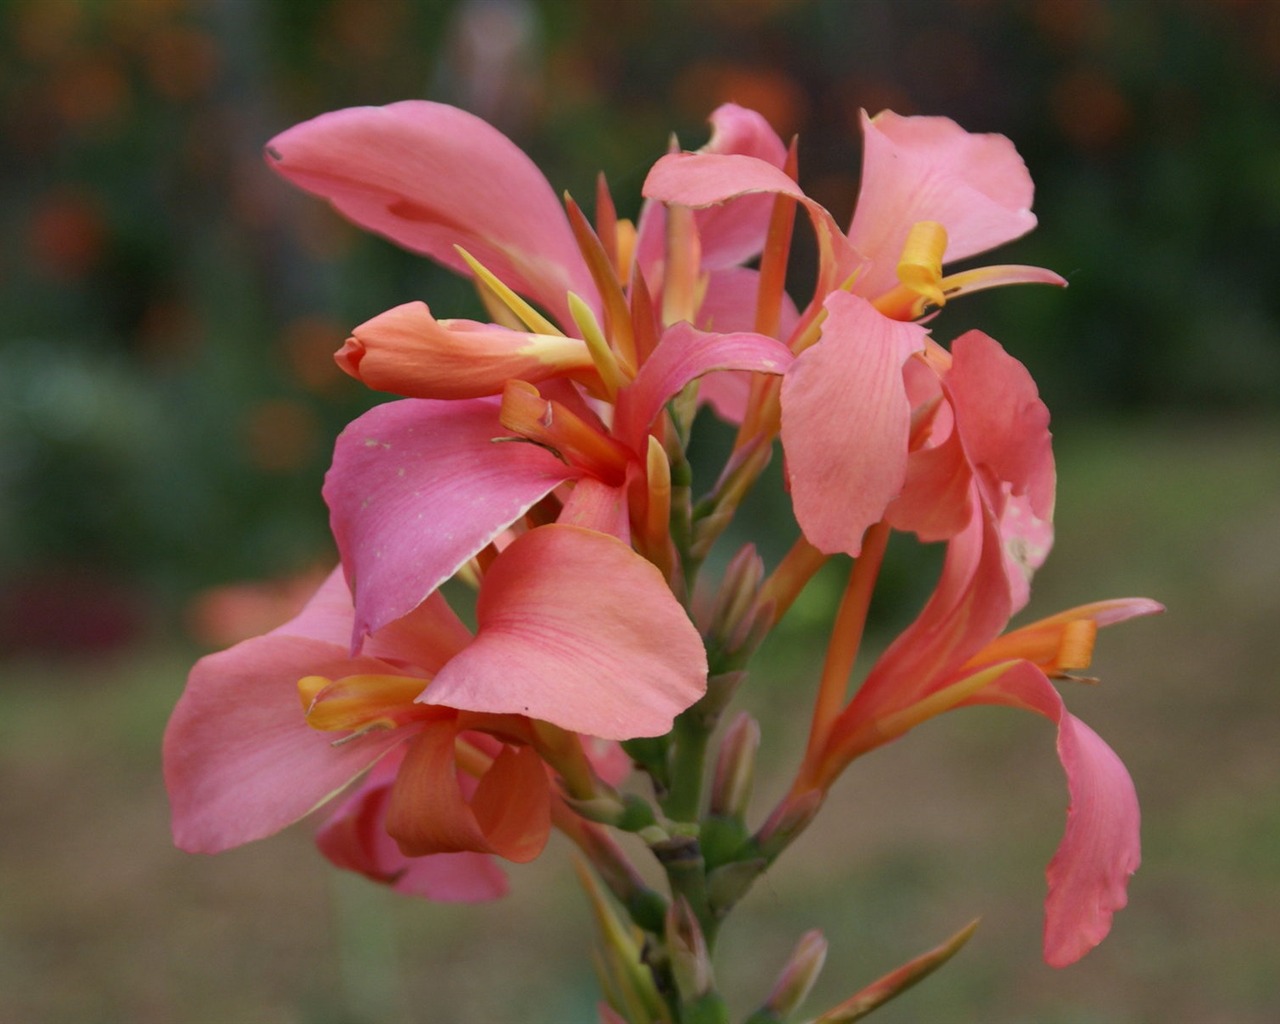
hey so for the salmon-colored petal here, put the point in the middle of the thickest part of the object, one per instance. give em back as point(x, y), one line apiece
point(507, 815)
point(1089, 874)
point(701, 180)
point(355, 838)
point(934, 503)
point(1002, 420)
point(970, 606)
point(240, 761)
point(729, 235)
point(419, 486)
point(407, 351)
point(930, 169)
point(576, 629)
point(596, 505)
point(845, 423)
point(431, 177)
point(683, 355)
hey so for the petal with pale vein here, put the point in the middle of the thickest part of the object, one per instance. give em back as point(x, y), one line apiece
point(576, 629)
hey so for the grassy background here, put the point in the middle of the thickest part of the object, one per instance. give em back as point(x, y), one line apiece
point(101, 920)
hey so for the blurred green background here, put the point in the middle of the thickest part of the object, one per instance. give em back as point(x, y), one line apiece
point(168, 402)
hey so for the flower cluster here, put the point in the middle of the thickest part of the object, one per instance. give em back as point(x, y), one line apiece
point(540, 458)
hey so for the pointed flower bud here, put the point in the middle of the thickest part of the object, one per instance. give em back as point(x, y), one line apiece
point(735, 768)
point(795, 981)
point(732, 615)
point(690, 957)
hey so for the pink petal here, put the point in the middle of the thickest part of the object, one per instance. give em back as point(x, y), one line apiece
point(429, 177)
point(240, 761)
point(406, 351)
point(1089, 873)
point(733, 234)
point(1002, 420)
point(736, 129)
point(685, 354)
point(845, 422)
point(701, 180)
point(730, 306)
point(730, 303)
point(355, 838)
point(595, 505)
point(577, 629)
point(417, 487)
point(929, 168)
point(935, 499)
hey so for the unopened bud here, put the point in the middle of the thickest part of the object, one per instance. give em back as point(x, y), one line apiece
point(787, 822)
point(690, 958)
point(736, 598)
point(735, 768)
point(795, 980)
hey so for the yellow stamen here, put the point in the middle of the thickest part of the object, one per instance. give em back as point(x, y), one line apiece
point(683, 258)
point(359, 702)
point(920, 266)
point(527, 315)
point(1075, 647)
point(626, 246)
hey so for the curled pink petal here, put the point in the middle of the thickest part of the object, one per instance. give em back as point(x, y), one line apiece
point(419, 486)
point(685, 354)
point(430, 177)
point(576, 629)
point(1089, 874)
point(733, 234)
point(701, 180)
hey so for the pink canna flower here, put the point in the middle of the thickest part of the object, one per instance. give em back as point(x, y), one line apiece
point(931, 192)
point(582, 399)
point(425, 701)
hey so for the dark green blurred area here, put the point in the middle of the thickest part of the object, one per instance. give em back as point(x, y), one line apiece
point(168, 400)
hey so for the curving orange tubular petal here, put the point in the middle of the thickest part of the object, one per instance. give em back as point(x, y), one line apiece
point(509, 815)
